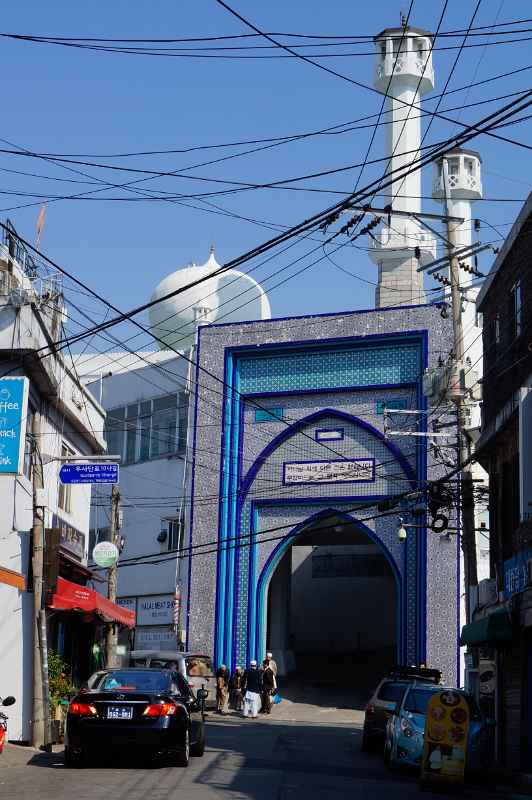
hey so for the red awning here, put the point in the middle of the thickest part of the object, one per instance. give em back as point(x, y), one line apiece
point(73, 597)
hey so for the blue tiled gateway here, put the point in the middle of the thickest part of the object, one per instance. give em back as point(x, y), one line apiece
point(288, 433)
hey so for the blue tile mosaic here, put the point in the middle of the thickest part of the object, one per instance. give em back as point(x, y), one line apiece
point(325, 369)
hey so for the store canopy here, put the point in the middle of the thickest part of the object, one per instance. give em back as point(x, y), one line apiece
point(73, 597)
point(494, 629)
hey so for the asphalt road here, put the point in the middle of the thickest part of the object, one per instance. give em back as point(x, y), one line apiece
point(267, 759)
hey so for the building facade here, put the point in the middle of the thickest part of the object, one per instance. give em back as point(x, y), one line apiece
point(297, 405)
point(146, 401)
point(57, 418)
point(500, 637)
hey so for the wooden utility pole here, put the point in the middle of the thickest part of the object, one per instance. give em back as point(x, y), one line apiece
point(112, 634)
point(40, 735)
point(466, 478)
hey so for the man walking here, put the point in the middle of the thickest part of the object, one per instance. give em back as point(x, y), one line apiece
point(273, 663)
point(252, 690)
point(236, 699)
point(269, 684)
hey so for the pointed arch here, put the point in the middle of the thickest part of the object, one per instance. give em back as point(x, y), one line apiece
point(297, 426)
point(257, 643)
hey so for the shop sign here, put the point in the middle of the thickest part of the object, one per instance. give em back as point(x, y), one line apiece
point(155, 639)
point(445, 740)
point(157, 609)
point(70, 539)
point(340, 471)
point(105, 554)
point(517, 572)
point(13, 415)
point(130, 603)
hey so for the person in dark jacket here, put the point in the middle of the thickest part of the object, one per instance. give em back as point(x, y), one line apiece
point(236, 694)
point(269, 684)
point(252, 690)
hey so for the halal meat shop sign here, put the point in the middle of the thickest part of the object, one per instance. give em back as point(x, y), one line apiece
point(352, 470)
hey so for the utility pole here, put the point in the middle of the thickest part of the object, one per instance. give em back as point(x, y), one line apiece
point(466, 478)
point(41, 713)
point(112, 635)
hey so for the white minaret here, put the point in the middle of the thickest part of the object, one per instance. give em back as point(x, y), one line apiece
point(464, 187)
point(403, 71)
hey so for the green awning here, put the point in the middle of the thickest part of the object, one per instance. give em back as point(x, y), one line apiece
point(493, 629)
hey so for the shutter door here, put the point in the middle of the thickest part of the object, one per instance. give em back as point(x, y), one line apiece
point(511, 701)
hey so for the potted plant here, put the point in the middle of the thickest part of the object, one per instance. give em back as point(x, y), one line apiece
point(60, 689)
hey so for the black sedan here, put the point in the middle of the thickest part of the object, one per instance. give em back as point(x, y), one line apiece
point(142, 712)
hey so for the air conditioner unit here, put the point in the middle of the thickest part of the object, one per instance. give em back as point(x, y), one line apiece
point(487, 592)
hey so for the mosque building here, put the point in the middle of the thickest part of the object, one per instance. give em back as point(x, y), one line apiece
point(282, 449)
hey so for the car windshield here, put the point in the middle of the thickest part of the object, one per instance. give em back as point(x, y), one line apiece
point(199, 667)
point(417, 701)
point(133, 680)
point(392, 692)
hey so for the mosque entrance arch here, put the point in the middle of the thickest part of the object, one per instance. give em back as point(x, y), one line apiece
point(329, 601)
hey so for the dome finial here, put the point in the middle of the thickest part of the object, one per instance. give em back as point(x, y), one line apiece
point(212, 250)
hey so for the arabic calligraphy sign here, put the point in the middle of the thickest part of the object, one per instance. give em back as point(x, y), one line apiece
point(348, 471)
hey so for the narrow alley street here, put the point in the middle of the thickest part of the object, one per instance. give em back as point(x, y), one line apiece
point(304, 751)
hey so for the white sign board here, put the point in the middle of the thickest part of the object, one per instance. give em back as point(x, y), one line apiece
point(105, 554)
point(155, 639)
point(157, 609)
point(357, 469)
point(525, 453)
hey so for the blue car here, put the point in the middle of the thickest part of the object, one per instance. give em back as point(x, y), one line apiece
point(406, 727)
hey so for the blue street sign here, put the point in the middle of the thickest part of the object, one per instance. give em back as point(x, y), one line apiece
point(89, 473)
point(13, 414)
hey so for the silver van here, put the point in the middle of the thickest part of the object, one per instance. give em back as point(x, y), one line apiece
point(196, 668)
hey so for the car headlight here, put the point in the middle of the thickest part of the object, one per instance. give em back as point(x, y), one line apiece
point(406, 728)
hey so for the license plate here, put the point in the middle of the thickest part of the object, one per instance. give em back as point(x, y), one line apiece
point(120, 712)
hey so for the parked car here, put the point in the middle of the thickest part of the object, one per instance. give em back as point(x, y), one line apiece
point(384, 699)
point(406, 728)
point(138, 711)
point(196, 668)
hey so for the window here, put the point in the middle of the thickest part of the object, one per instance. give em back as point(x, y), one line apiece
point(517, 309)
point(392, 692)
point(114, 431)
point(417, 701)
point(64, 500)
point(163, 426)
point(199, 667)
point(268, 414)
point(148, 429)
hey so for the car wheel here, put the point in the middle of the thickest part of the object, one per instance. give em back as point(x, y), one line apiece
point(182, 757)
point(388, 754)
point(73, 760)
point(198, 749)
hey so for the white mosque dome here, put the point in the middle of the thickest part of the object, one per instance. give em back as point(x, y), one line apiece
point(230, 297)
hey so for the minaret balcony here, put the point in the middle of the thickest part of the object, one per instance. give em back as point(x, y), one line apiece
point(400, 240)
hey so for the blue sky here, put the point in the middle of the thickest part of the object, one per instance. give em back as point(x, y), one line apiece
point(63, 100)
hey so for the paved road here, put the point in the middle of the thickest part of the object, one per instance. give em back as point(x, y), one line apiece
point(269, 759)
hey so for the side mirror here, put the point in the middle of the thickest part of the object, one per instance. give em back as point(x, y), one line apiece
point(202, 694)
point(9, 701)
